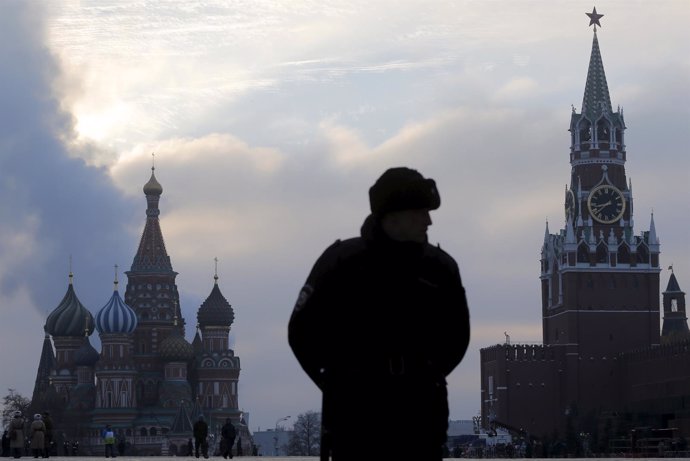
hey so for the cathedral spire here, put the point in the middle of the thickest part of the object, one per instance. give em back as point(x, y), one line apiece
point(151, 255)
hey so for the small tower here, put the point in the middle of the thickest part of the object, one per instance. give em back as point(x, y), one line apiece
point(675, 326)
point(116, 374)
point(217, 367)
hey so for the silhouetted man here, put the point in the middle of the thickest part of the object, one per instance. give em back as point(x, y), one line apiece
point(380, 322)
point(200, 434)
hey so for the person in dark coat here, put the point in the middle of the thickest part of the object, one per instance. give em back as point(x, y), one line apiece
point(200, 434)
point(228, 433)
point(5, 444)
point(380, 323)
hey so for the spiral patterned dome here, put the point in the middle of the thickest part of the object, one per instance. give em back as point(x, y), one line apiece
point(175, 348)
point(116, 316)
point(86, 355)
point(216, 310)
point(70, 318)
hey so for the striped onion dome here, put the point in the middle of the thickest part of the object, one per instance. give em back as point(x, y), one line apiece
point(70, 318)
point(116, 316)
point(86, 355)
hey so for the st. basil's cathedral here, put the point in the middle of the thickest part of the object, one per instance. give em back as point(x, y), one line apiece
point(148, 382)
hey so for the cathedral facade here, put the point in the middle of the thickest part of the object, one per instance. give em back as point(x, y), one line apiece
point(604, 367)
point(148, 382)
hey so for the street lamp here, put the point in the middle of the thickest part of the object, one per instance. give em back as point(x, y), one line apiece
point(275, 434)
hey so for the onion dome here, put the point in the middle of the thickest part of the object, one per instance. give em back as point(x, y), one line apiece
point(153, 187)
point(86, 355)
point(116, 316)
point(216, 310)
point(175, 348)
point(69, 317)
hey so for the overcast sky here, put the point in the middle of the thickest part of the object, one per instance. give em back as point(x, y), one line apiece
point(271, 119)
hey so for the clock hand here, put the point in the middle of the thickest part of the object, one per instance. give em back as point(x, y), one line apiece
point(602, 205)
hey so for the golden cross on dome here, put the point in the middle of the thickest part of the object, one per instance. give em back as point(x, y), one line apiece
point(215, 277)
point(594, 18)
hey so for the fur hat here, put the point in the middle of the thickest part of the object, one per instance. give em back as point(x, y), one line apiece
point(403, 188)
point(37, 416)
point(17, 414)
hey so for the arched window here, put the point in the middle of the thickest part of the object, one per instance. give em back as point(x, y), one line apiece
point(153, 432)
point(603, 132)
point(585, 133)
point(143, 432)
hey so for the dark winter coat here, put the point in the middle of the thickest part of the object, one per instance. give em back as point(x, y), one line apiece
point(378, 326)
point(200, 430)
point(228, 431)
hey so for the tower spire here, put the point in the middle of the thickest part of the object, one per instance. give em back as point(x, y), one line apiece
point(596, 99)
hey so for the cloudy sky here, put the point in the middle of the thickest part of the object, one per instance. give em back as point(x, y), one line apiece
point(271, 119)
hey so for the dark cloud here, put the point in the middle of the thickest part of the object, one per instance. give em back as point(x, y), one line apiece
point(54, 204)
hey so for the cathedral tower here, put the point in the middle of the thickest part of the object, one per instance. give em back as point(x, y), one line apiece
point(152, 294)
point(217, 367)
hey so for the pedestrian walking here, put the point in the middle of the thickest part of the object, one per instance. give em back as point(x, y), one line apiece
point(228, 433)
point(200, 431)
point(380, 323)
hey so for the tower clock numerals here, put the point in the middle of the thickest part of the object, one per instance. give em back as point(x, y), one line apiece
point(606, 204)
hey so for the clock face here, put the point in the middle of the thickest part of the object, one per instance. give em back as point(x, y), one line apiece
point(569, 204)
point(606, 204)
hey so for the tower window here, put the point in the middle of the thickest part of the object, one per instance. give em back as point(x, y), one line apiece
point(674, 305)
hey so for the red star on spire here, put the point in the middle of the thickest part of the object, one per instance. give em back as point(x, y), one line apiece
point(594, 18)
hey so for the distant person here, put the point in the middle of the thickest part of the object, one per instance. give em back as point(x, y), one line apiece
point(121, 445)
point(38, 436)
point(16, 430)
point(380, 322)
point(5, 443)
point(48, 421)
point(190, 447)
point(228, 433)
point(109, 441)
point(200, 434)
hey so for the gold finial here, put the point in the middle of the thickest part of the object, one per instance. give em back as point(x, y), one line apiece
point(116, 282)
point(86, 325)
point(153, 161)
point(215, 277)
